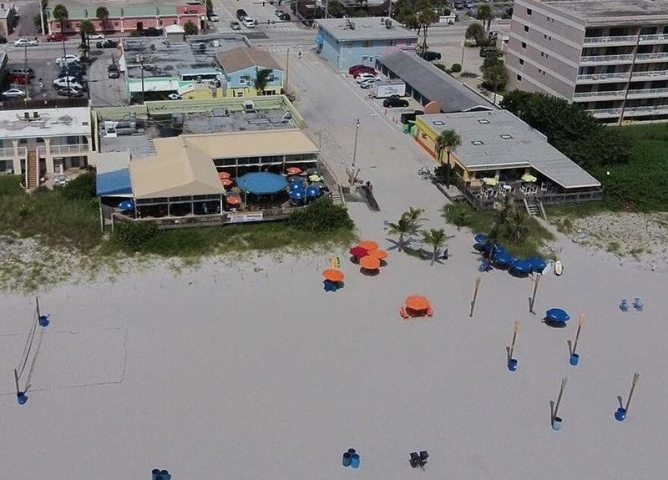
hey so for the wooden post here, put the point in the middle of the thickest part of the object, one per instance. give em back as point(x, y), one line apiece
point(516, 328)
point(533, 296)
point(475, 295)
point(561, 394)
point(633, 387)
point(16, 382)
point(581, 321)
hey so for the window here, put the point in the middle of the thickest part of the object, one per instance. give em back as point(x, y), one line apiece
point(477, 142)
point(519, 78)
point(521, 61)
point(524, 45)
point(367, 43)
point(526, 28)
point(505, 136)
point(529, 11)
point(545, 36)
point(542, 54)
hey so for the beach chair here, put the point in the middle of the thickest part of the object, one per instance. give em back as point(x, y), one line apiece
point(423, 458)
point(624, 305)
point(386, 224)
point(415, 460)
point(403, 313)
point(637, 304)
point(485, 266)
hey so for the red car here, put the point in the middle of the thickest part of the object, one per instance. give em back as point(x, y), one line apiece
point(357, 69)
point(18, 79)
point(56, 37)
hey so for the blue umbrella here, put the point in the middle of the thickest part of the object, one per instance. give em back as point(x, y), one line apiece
point(294, 179)
point(521, 266)
point(297, 186)
point(297, 194)
point(313, 191)
point(537, 264)
point(557, 315)
point(504, 258)
point(126, 205)
point(480, 238)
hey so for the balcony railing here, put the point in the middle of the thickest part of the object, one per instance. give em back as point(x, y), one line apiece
point(650, 74)
point(648, 92)
point(651, 56)
point(7, 152)
point(80, 148)
point(616, 39)
point(653, 38)
point(607, 58)
point(630, 111)
point(611, 93)
point(605, 76)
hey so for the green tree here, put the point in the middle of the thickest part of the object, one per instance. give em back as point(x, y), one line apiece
point(414, 215)
point(61, 14)
point(361, 13)
point(485, 15)
point(209, 5)
point(402, 228)
point(262, 78)
point(103, 15)
point(494, 74)
point(86, 29)
point(458, 214)
point(425, 15)
point(436, 238)
point(475, 32)
point(447, 141)
point(334, 8)
point(190, 28)
point(516, 225)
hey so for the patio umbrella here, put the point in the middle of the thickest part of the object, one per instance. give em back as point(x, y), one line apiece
point(297, 194)
point(293, 170)
point(312, 191)
point(297, 185)
point(557, 315)
point(480, 238)
point(126, 205)
point(294, 179)
point(503, 258)
point(521, 266)
point(417, 302)
point(233, 200)
point(227, 182)
point(368, 245)
point(537, 264)
point(224, 175)
point(527, 177)
point(333, 275)
point(315, 178)
point(370, 263)
point(491, 181)
point(318, 184)
point(379, 254)
point(312, 171)
point(358, 252)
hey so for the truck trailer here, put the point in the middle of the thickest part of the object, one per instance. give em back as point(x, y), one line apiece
point(389, 88)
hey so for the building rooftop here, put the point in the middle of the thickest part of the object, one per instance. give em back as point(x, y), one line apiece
point(141, 8)
point(433, 83)
point(498, 139)
point(46, 122)
point(596, 9)
point(365, 28)
point(241, 58)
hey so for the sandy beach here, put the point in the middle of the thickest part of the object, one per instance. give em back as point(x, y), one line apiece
point(250, 370)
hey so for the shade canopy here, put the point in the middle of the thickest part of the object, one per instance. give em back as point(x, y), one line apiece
point(313, 191)
point(298, 185)
point(333, 275)
point(224, 175)
point(417, 302)
point(557, 315)
point(370, 263)
point(297, 194)
point(293, 170)
point(480, 238)
point(126, 205)
point(527, 177)
point(378, 253)
point(226, 181)
point(368, 245)
point(358, 252)
point(503, 258)
point(521, 266)
point(233, 200)
point(262, 183)
point(537, 264)
point(491, 181)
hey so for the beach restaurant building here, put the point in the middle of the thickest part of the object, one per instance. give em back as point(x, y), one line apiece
point(500, 153)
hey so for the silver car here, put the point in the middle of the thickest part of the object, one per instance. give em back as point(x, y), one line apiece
point(13, 93)
point(24, 42)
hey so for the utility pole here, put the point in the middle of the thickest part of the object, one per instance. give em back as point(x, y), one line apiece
point(141, 64)
point(25, 71)
point(41, 15)
point(287, 71)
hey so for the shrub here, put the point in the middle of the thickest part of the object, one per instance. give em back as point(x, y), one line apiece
point(134, 236)
point(440, 66)
point(81, 187)
point(441, 172)
point(190, 28)
point(322, 216)
point(456, 68)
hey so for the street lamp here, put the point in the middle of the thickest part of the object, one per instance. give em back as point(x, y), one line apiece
point(357, 129)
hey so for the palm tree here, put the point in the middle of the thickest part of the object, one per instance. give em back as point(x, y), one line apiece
point(516, 225)
point(87, 29)
point(403, 227)
point(475, 32)
point(414, 215)
point(103, 15)
point(436, 238)
point(426, 15)
point(262, 78)
point(61, 14)
point(448, 140)
point(485, 15)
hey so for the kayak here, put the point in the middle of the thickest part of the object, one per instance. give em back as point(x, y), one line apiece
point(558, 268)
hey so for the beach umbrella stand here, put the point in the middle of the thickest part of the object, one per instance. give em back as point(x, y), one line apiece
point(512, 362)
point(556, 420)
point(620, 414)
point(21, 396)
point(575, 357)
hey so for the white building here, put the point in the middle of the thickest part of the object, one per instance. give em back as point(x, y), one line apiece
point(38, 142)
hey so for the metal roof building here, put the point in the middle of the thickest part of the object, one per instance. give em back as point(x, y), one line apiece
point(426, 83)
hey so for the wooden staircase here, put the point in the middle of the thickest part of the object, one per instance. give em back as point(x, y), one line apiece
point(32, 171)
point(532, 208)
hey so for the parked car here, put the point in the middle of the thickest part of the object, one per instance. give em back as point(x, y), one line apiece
point(19, 79)
point(241, 14)
point(355, 69)
point(13, 93)
point(67, 82)
point(71, 92)
point(249, 22)
point(73, 69)
point(174, 96)
point(3, 39)
point(430, 56)
point(73, 78)
point(368, 83)
point(113, 71)
point(363, 71)
point(490, 52)
point(66, 60)
point(96, 36)
point(285, 16)
point(108, 43)
point(56, 37)
point(214, 18)
point(366, 76)
point(234, 25)
point(24, 42)
point(393, 102)
point(23, 71)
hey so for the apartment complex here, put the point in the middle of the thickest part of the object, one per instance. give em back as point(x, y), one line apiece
point(610, 56)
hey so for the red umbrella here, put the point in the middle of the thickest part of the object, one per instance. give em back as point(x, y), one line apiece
point(358, 252)
point(293, 170)
point(222, 175)
point(227, 181)
point(233, 200)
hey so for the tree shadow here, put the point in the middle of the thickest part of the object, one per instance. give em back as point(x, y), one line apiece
point(570, 347)
point(551, 412)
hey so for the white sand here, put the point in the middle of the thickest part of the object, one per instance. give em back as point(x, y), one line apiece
point(254, 371)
